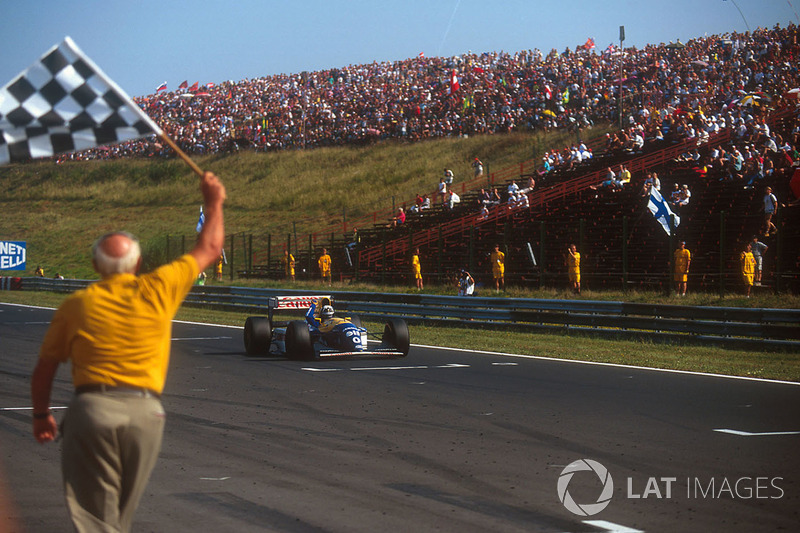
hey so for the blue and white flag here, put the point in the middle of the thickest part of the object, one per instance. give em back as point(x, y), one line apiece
point(661, 211)
point(200, 221)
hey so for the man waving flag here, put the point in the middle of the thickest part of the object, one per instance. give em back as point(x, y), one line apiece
point(65, 103)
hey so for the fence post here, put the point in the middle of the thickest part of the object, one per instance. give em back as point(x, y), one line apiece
point(383, 255)
point(541, 254)
point(439, 254)
point(311, 257)
point(670, 255)
point(289, 249)
point(582, 241)
point(471, 261)
point(269, 254)
point(722, 254)
point(357, 250)
point(625, 254)
point(232, 256)
point(778, 250)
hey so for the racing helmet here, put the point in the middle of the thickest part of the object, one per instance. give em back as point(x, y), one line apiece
point(327, 311)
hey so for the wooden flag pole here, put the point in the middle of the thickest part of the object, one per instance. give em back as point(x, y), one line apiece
point(164, 137)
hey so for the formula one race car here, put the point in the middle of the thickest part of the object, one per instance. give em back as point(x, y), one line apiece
point(321, 334)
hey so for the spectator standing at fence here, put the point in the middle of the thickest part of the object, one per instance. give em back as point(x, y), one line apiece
point(448, 176)
point(748, 264)
point(477, 166)
point(116, 333)
point(288, 265)
point(498, 260)
point(574, 268)
point(416, 269)
point(39, 271)
point(758, 249)
point(442, 190)
point(682, 259)
point(770, 208)
point(324, 264)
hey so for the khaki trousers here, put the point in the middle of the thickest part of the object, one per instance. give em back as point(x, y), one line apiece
point(111, 444)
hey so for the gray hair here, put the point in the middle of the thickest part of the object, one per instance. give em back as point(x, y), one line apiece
point(107, 265)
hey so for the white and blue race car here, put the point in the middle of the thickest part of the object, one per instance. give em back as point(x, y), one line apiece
point(321, 334)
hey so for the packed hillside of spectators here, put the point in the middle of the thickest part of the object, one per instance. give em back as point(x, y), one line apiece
point(475, 94)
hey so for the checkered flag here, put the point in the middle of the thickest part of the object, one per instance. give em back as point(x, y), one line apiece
point(65, 103)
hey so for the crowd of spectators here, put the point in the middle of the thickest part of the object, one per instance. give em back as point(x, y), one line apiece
point(497, 92)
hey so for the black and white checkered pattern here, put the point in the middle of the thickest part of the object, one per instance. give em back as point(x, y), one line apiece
point(65, 103)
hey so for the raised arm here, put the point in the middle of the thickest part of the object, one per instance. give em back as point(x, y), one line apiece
point(212, 236)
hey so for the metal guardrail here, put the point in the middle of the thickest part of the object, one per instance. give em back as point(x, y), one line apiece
point(727, 326)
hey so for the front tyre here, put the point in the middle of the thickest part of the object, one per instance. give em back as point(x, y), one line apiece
point(298, 341)
point(257, 336)
point(395, 335)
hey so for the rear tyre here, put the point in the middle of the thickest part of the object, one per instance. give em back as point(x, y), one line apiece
point(395, 335)
point(257, 335)
point(298, 341)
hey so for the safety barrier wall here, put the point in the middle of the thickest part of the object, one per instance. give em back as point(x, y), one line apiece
point(735, 327)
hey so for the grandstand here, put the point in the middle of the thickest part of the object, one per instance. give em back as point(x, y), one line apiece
point(621, 243)
point(709, 94)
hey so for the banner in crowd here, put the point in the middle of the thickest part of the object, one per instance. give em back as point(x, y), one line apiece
point(13, 255)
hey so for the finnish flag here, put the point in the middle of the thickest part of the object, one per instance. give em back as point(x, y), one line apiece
point(200, 221)
point(661, 211)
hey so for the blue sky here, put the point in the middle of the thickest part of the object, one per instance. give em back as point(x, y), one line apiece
point(142, 43)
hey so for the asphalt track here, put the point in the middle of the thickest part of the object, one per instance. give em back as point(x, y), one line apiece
point(443, 440)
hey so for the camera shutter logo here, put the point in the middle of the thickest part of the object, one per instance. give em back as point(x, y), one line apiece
point(585, 509)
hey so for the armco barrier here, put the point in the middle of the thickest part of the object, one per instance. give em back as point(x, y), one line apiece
point(734, 327)
point(10, 284)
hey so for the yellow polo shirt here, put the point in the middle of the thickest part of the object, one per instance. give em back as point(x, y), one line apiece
point(324, 264)
point(117, 331)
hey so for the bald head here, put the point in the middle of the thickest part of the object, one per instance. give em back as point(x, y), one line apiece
point(116, 253)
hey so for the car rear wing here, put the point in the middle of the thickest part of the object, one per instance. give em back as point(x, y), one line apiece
point(293, 303)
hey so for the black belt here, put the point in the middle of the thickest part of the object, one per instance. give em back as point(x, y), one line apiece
point(135, 391)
